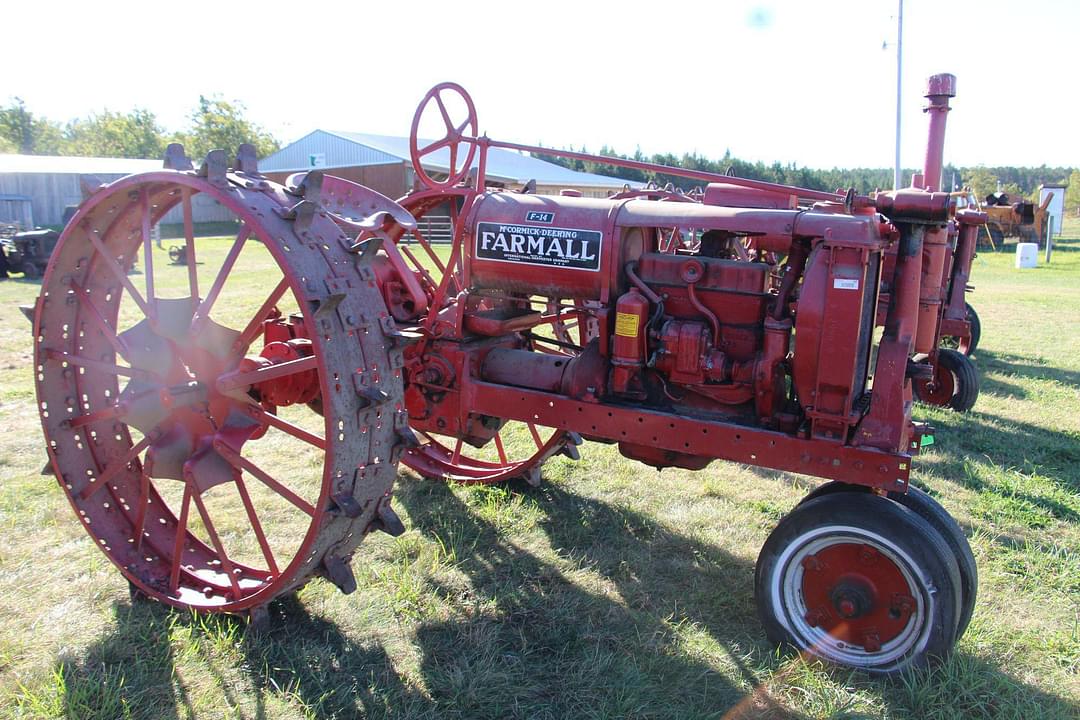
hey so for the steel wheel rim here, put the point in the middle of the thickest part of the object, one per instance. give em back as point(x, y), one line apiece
point(787, 588)
point(941, 390)
point(194, 580)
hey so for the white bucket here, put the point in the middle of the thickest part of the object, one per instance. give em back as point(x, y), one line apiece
point(1027, 255)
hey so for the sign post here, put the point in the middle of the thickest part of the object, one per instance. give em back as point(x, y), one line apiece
point(1049, 236)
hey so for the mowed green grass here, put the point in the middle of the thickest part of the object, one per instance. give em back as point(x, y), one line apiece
point(612, 590)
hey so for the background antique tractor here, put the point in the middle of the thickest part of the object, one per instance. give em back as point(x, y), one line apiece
point(27, 251)
point(223, 451)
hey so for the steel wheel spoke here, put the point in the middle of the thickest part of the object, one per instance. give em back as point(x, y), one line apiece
point(256, 526)
point(254, 326)
point(99, 365)
point(424, 243)
point(178, 543)
point(235, 380)
point(226, 564)
point(119, 274)
point(110, 334)
point(287, 427)
point(203, 311)
point(140, 511)
point(90, 418)
point(242, 463)
point(500, 449)
point(111, 471)
point(189, 240)
point(535, 436)
point(420, 268)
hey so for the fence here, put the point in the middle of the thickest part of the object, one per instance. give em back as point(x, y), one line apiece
point(434, 229)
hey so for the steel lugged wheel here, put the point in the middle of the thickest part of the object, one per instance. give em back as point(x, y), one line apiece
point(859, 580)
point(203, 494)
point(955, 383)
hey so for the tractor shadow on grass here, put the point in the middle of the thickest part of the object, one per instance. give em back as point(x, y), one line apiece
point(543, 642)
point(539, 641)
point(623, 633)
point(131, 671)
point(1005, 364)
point(129, 667)
point(332, 674)
point(1026, 448)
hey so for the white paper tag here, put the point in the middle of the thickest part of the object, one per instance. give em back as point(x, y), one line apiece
point(845, 284)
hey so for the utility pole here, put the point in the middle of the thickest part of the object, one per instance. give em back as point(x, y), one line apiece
point(899, 75)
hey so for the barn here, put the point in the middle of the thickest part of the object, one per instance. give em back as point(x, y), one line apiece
point(35, 190)
point(382, 162)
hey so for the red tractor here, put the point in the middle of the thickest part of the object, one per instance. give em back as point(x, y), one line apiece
point(223, 452)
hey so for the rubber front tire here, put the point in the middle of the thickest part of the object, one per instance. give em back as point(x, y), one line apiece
point(894, 628)
point(930, 510)
point(976, 330)
point(956, 382)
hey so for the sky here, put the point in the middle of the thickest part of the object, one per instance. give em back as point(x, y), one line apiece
point(811, 83)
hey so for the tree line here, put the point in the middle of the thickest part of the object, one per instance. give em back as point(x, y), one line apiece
point(1016, 181)
point(213, 123)
point(218, 123)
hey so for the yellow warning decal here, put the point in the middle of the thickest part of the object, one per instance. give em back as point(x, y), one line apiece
point(626, 324)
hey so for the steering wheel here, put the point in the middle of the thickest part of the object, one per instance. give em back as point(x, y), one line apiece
point(455, 136)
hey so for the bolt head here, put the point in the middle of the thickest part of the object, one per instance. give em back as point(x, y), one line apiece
point(846, 607)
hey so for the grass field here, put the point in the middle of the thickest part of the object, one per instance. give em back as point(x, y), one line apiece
point(611, 591)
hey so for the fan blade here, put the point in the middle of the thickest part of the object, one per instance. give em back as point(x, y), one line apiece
point(174, 317)
point(169, 453)
point(217, 339)
point(206, 468)
point(149, 351)
point(141, 405)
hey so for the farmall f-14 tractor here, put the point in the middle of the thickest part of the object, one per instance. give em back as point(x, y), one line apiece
point(223, 449)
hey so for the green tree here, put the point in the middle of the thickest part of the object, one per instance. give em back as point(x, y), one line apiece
point(132, 135)
point(219, 124)
point(6, 146)
point(28, 134)
point(1072, 193)
point(981, 180)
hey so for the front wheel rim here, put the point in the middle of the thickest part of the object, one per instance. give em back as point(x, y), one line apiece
point(881, 629)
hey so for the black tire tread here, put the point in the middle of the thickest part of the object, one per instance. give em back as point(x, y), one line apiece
point(901, 525)
point(976, 328)
point(967, 378)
